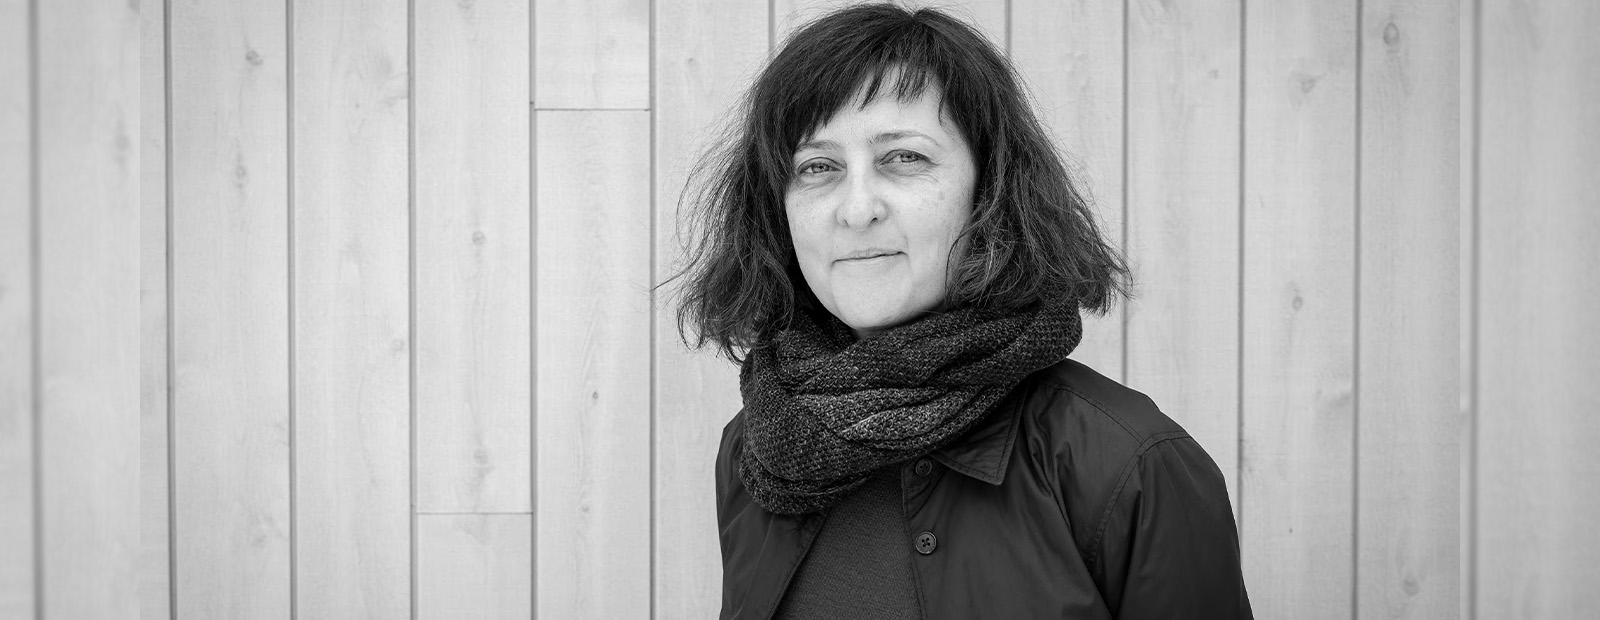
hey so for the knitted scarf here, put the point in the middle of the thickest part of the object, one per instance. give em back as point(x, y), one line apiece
point(824, 410)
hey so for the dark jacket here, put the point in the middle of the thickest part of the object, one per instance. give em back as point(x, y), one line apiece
point(1076, 498)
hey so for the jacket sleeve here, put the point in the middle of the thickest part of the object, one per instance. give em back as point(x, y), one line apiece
point(731, 499)
point(1169, 547)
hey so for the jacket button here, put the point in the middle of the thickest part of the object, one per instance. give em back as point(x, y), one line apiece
point(926, 543)
point(924, 467)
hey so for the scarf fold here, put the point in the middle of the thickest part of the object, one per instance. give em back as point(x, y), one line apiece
point(824, 410)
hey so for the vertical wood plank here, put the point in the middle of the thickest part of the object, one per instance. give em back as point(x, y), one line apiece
point(1408, 448)
point(88, 174)
point(351, 310)
point(1537, 394)
point(707, 51)
point(988, 15)
point(230, 309)
point(593, 365)
point(16, 314)
point(474, 567)
point(1469, 276)
point(1070, 53)
point(155, 583)
point(592, 54)
point(1183, 217)
point(1298, 284)
point(471, 257)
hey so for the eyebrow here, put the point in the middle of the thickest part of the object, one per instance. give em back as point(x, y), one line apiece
point(886, 136)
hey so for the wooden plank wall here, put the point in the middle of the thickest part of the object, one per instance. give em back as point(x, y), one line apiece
point(398, 359)
point(1536, 138)
point(1407, 436)
point(155, 474)
point(70, 180)
point(349, 312)
point(1298, 277)
point(471, 405)
point(17, 492)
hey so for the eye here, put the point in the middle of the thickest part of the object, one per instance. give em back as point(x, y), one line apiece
point(814, 167)
point(905, 157)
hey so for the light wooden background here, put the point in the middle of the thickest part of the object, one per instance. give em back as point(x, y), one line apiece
point(396, 357)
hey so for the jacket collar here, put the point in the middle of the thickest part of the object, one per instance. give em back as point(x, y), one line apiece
point(985, 451)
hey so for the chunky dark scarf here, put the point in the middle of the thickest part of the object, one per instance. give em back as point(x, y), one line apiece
point(824, 410)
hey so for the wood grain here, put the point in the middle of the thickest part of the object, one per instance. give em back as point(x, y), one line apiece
point(1183, 217)
point(88, 236)
point(471, 257)
point(16, 314)
point(1298, 285)
point(155, 577)
point(1408, 442)
point(1539, 144)
point(1071, 56)
point(591, 54)
point(230, 336)
point(474, 567)
point(713, 52)
point(352, 480)
point(593, 322)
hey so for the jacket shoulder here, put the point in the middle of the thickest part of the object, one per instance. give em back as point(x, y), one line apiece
point(1072, 396)
point(1087, 434)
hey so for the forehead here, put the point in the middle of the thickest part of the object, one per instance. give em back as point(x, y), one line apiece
point(923, 112)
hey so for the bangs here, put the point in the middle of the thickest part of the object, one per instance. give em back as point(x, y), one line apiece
point(867, 83)
point(842, 64)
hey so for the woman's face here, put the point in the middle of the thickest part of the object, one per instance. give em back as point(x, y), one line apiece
point(878, 197)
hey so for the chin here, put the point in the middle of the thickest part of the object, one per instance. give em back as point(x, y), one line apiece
point(876, 306)
point(867, 317)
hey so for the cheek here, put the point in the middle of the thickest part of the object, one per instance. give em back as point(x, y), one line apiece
point(803, 233)
point(958, 207)
point(941, 224)
point(809, 238)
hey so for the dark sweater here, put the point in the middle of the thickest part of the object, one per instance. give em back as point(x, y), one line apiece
point(860, 564)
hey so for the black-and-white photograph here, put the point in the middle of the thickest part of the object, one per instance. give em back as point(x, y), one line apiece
point(799, 309)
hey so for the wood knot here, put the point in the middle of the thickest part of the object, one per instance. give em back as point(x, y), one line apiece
point(1307, 83)
point(1391, 35)
point(253, 58)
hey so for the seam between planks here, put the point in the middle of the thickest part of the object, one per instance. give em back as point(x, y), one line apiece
point(35, 317)
point(1355, 330)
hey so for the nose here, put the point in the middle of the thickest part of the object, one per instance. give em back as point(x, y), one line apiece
point(863, 203)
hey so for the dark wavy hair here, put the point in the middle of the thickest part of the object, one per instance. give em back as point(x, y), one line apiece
point(1032, 235)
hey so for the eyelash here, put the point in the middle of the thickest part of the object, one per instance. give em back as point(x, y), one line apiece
point(915, 157)
point(809, 165)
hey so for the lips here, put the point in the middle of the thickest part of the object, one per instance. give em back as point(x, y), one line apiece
point(866, 255)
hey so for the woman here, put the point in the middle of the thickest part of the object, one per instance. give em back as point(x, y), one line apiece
point(895, 254)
